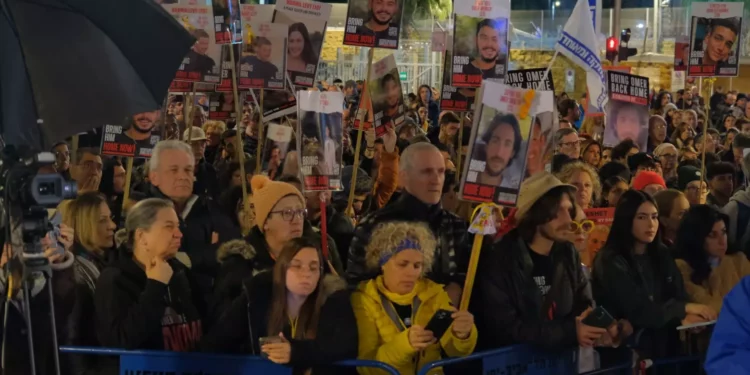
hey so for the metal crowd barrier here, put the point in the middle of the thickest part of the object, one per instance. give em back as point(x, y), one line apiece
point(516, 359)
point(160, 362)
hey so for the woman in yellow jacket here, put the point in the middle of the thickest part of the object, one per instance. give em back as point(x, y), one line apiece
point(709, 269)
point(393, 310)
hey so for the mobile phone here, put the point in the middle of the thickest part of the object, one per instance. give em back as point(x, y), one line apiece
point(439, 323)
point(268, 340)
point(599, 318)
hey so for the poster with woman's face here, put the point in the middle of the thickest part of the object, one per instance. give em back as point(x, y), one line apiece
point(715, 39)
point(307, 22)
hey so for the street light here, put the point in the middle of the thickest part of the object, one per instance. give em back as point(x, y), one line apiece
point(557, 3)
point(640, 26)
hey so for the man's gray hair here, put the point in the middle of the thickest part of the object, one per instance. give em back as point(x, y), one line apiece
point(143, 215)
point(410, 153)
point(562, 133)
point(172, 144)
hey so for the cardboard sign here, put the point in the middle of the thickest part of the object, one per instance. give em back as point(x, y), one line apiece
point(319, 137)
point(263, 63)
point(480, 42)
point(202, 63)
point(602, 218)
point(227, 21)
point(384, 85)
point(627, 109)
point(715, 38)
point(118, 140)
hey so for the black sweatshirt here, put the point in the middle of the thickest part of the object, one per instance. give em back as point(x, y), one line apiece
point(133, 312)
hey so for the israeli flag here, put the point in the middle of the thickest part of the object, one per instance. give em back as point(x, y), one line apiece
point(578, 42)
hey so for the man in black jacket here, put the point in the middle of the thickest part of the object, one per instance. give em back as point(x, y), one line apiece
point(531, 288)
point(203, 223)
point(206, 180)
point(422, 174)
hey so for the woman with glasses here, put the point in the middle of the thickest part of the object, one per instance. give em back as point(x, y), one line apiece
point(293, 314)
point(657, 132)
point(394, 309)
point(709, 268)
point(636, 278)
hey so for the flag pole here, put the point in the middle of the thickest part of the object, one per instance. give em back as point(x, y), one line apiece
point(549, 67)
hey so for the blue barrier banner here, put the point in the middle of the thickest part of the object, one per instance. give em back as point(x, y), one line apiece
point(524, 360)
point(166, 363)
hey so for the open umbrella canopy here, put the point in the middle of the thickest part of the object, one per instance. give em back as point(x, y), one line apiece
point(78, 64)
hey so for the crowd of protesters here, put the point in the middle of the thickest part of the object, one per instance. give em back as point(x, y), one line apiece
point(184, 264)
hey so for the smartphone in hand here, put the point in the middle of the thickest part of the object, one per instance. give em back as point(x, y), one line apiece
point(440, 322)
point(599, 318)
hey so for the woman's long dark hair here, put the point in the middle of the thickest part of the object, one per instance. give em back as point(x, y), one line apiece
point(695, 226)
point(309, 313)
point(621, 238)
point(309, 56)
point(107, 188)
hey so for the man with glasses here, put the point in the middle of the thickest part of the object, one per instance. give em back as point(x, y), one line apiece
point(530, 286)
point(62, 159)
point(87, 172)
point(568, 143)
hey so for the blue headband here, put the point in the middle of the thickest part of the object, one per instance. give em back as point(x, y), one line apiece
point(406, 244)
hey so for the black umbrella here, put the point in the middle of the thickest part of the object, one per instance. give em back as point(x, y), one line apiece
point(79, 64)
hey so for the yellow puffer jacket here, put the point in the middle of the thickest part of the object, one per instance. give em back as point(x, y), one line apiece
point(380, 339)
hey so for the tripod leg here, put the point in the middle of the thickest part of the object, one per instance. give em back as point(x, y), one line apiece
point(55, 347)
point(30, 334)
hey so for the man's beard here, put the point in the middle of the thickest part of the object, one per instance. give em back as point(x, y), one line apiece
point(490, 60)
point(376, 20)
point(139, 130)
point(492, 173)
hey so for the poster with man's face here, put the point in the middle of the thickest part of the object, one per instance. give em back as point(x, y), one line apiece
point(373, 23)
point(453, 98)
point(480, 43)
point(681, 53)
point(227, 22)
point(319, 137)
point(307, 21)
point(386, 95)
point(263, 61)
point(495, 167)
point(627, 109)
point(203, 61)
point(715, 39)
point(135, 138)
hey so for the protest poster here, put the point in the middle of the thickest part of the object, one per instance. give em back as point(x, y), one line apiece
point(263, 61)
point(227, 23)
point(627, 109)
point(276, 103)
point(495, 166)
point(201, 64)
point(373, 23)
point(319, 139)
point(363, 117)
point(307, 21)
point(480, 42)
point(227, 75)
point(221, 106)
point(602, 218)
point(384, 85)
point(530, 79)
point(715, 39)
point(134, 138)
point(454, 98)
point(278, 138)
point(681, 53)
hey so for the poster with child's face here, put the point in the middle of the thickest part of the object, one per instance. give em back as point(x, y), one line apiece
point(386, 95)
point(203, 61)
point(319, 137)
point(373, 23)
point(480, 42)
point(715, 39)
point(496, 164)
point(627, 109)
point(307, 22)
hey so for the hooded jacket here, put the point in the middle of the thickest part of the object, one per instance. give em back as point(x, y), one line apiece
point(729, 352)
point(134, 312)
point(509, 306)
point(453, 243)
point(711, 292)
point(380, 338)
point(245, 320)
point(239, 265)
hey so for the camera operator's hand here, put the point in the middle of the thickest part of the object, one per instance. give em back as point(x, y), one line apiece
point(159, 270)
point(66, 237)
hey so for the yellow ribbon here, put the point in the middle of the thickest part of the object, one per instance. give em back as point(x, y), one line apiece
point(528, 98)
point(485, 209)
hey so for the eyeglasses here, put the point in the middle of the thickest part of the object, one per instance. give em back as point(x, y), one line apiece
point(290, 214)
point(571, 144)
point(585, 226)
point(298, 268)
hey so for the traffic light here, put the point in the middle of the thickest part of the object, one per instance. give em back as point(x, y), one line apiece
point(612, 48)
point(626, 52)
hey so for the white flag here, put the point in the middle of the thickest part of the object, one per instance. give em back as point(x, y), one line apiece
point(578, 42)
